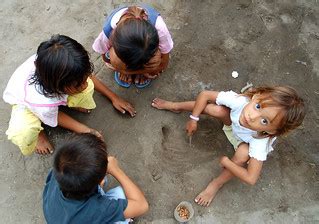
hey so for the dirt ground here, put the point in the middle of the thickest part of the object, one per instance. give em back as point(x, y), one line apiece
point(267, 42)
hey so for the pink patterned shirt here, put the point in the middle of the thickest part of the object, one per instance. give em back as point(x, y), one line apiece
point(102, 45)
point(20, 92)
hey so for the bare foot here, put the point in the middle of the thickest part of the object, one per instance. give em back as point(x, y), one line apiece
point(164, 105)
point(140, 79)
point(206, 196)
point(80, 109)
point(110, 66)
point(125, 78)
point(43, 145)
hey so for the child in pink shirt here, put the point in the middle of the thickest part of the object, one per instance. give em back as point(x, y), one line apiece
point(60, 74)
point(135, 42)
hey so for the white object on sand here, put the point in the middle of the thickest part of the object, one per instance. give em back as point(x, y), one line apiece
point(246, 87)
point(234, 74)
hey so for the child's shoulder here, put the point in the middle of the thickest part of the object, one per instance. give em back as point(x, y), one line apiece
point(26, 68)
point(231, 99)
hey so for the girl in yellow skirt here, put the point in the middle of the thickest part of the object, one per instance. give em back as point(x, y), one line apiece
point(59, 74)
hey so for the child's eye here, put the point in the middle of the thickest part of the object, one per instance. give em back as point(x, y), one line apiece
point(257, 106)
point(264, 121)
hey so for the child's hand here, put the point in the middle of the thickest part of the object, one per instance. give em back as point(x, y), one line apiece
point(123, 106)
point(191, 127)
point(154, 63)
point(96, 133)
point(112, 165)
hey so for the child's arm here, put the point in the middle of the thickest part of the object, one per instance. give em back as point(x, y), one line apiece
point(67, 122)
point(159, 68)
point(201, 102)
point(164, 61)
point(136, 201)
point(249, 175)
point(117, 101)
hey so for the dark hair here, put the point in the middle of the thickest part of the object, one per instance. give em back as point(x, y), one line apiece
point(61, 62)
point(135, 40)
point(79, 165)
point(285, 97)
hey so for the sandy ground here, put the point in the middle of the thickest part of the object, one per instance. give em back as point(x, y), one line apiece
point(267, 42)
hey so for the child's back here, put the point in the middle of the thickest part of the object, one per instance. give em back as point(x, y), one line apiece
point(73, 192)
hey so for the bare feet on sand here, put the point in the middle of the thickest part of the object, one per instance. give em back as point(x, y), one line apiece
point(206, 196)
point(126, 78)
point(141, 79)
point(164, 105)
point(43, 145)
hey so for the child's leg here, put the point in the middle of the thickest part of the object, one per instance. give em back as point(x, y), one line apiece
point(212, 109)
point(126, 78)
point(83, 101)
point(207, 195)
point(43, 145)
point(26, 132)
point(117, 193)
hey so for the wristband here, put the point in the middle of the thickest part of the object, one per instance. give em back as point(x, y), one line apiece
point(194, 118)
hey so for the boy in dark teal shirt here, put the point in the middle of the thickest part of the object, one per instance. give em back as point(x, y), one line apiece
point(73, 192)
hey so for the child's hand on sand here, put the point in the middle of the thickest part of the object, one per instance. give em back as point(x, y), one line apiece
point(191, 127)
point(96, 133)
point(123, 106)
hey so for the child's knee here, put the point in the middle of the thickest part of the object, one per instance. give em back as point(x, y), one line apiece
point(241, 156)
point(116, 193)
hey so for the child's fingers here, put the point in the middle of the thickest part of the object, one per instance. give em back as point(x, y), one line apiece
point(190, 133)
point(96, 133)
point(126, 107)
point(131, 110)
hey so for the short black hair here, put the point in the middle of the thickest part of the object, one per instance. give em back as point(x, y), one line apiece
point(80, 164)
point(61, 62)
point(135, 41)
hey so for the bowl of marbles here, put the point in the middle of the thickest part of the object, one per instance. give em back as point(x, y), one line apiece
point(184, 212)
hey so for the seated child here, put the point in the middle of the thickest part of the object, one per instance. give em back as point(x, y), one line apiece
point(73, 192)
point(251, 123)
point(59, 74)
point(135, 42)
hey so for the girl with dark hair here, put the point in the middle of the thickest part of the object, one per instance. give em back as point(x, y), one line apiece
point(59, 74)
point(135, 42)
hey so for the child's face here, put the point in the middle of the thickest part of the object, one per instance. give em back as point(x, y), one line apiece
point(75, 90)
point(260, 119)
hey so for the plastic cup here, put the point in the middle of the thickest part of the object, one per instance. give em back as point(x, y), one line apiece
point(188, 206)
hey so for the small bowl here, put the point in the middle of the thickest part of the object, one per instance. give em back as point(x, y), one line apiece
point(187, 205)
